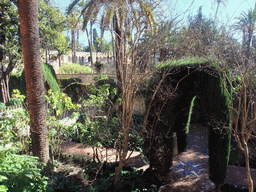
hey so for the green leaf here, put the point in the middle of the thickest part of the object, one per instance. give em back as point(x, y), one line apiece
point(2, 178)
point(3, 188)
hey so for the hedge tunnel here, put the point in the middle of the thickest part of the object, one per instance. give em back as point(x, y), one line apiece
point(191, 90)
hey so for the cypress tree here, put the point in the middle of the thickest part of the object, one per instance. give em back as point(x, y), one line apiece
point(219, 134)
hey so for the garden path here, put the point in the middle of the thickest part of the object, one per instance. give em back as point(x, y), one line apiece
point(189, 171)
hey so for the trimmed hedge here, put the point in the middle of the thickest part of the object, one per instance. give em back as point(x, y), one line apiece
point(17, 81)
point(172, 107)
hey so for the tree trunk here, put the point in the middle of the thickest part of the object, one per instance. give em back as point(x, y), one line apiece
point(28, 13)
point(89, 37)
point(121, 80)
point(247, 165)
point(250, 32)
point(73, 46)
point(119, 57)
point(59, 61)
point(46, 61)
point(4, 91)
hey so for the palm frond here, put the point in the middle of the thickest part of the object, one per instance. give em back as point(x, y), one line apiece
point(71, 6)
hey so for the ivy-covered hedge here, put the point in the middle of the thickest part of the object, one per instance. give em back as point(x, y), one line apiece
point(50, 78)
point(17, 81)
point(170, 111)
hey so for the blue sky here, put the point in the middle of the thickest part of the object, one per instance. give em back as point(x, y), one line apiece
point(226, 14)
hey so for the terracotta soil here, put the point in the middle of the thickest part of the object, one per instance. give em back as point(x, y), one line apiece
point(189, 171)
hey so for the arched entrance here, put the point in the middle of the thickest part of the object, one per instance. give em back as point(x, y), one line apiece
point(187, 87)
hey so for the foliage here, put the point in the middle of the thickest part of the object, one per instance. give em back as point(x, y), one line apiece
point(2, 106)
point(16, 94)
point(75, 68)
point(59, 130)
point(87, 48)
point(63, 183)
point(71, 86)
point(17, 98)
point(59, 103)
point(60, 45)
point(99, 123)
point(14, 128)
point(99, 65)
point(21, 172)
point(51, 25)
point(184, 81)
point(10, 49)
point(130, 180)
point(9, 33)
point(50, 77)
point(17, 81)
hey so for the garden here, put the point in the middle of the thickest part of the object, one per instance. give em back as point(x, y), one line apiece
point(178, 114)
point(82, 133)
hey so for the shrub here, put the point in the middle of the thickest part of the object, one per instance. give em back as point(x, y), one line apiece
point(14, 101)
point(71, 86)
point(2, 106)
point(21, 172)
point(14, 128)
point(50, 77)
point(130, 179)
point(76, 68)
point(99, 65)
point(17, 81)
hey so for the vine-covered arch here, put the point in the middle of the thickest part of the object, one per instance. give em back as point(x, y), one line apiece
point(186, 84)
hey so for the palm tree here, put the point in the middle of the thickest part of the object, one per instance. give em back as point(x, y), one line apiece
point(115, 13)
point(73, 25)
point(246, 23)
point(218, 5)
point(28, 13)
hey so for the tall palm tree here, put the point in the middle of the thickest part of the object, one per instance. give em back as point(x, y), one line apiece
point(115, 13)
point(246, 23)
point(73, 24)
point(29, 29)
point(218, 5)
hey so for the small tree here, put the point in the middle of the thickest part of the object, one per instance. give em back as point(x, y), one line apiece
point(10, 51)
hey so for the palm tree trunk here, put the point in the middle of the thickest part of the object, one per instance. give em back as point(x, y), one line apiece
point(119, 57)
point(89, 37)
point(73, 46)
point(28, 13)
point(217, 11)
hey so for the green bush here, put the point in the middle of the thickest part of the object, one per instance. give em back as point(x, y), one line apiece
point(12, 127)
point(71, 86)
point(17, 81)
point(76, 68)
point(2, 106)
point(130, 179)
point(50, 77)
point(99, 66)
point(14, 101)
point(21, 173)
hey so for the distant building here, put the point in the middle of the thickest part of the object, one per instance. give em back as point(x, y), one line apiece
point(83, 58)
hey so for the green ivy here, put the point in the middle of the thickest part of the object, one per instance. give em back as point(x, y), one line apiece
point(50, 77)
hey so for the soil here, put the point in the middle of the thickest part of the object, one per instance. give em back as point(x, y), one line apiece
point(189, 171)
